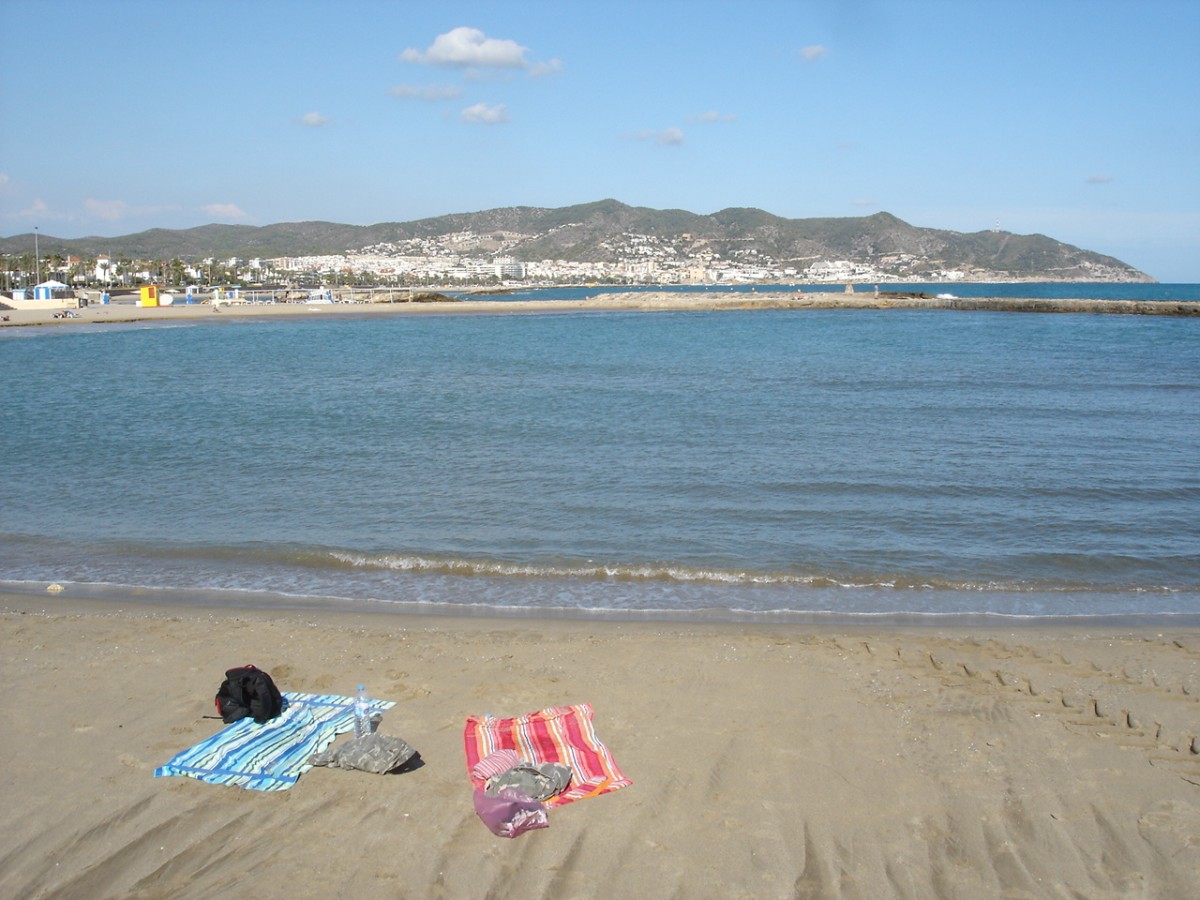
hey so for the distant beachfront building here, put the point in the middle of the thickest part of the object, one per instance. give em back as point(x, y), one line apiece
point(507, 267)
point(838, 270)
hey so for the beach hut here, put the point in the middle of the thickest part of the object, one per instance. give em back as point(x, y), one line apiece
point(149, 295)
point(48, 290)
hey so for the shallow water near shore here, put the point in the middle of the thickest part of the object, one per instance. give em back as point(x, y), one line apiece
point(766, 464)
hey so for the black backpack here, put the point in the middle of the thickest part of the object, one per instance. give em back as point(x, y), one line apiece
point(248, 691)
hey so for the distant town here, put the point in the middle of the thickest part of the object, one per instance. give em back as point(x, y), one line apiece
point(469, 259)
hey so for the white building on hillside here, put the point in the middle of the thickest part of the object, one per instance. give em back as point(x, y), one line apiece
point(105, 269)
point(838, 270)
point(507, 267)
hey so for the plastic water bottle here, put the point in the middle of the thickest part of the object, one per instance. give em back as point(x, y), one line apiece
point(362, 713)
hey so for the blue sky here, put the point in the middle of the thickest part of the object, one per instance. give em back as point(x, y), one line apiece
point(1079, 119)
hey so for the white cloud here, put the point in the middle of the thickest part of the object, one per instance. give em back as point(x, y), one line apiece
point(4, 179)
point(469, 47)
point(813, 52)
point(712, 116)
point(863, 201)
point(1099, 179)
point(313, 120)
point(430, 92)
point(483, 114)
point(109, 210)
point(224, 211)
point(668, 137)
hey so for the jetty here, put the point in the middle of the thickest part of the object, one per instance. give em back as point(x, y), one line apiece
point(666, 300)
point(435, 303)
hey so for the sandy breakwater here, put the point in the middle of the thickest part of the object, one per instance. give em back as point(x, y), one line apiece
point(646, 301)
point(767, 761)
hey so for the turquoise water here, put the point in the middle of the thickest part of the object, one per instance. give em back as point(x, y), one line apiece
point(765, 464)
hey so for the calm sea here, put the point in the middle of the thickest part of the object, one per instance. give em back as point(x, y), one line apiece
point(769, 465)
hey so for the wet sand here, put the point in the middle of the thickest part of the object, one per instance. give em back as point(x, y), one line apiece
point(767, 761)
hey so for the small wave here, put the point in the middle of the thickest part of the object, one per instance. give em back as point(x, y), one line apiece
point(590, 571)
point(137, 595)
point(663, 573)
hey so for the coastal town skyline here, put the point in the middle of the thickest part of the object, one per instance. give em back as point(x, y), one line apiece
point(1068, 119)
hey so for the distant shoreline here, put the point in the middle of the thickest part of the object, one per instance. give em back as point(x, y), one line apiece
point(650, 301)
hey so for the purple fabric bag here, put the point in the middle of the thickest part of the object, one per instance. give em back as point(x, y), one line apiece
point(510, 812)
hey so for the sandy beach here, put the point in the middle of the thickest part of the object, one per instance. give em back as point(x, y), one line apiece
point(648, 301)
point(766, 761)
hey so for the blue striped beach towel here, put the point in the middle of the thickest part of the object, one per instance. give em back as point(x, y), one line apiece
point(271, 756)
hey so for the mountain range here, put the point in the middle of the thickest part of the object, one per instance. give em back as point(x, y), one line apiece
point(600, 232)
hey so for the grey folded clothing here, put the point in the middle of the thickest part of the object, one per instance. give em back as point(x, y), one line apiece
point(378, 753)
point(539, 781)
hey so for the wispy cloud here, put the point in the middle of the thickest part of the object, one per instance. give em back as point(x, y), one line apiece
point(89, 210)
point(223, 211)
point(4, 180)
point(469, 48)
point(863, 201)
point(109, 210)
point(813, 52)
point(40, 209)
point(668, 137)
point(313, 120)
point(1099, 179)
point(116, 210)
point(429, 92)
point(549, 67)
point(712, 116)
point(483, 114)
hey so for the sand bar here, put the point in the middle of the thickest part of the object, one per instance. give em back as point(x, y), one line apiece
point(767, 761)
point(648, 301)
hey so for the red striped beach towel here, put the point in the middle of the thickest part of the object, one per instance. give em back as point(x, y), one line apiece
point(559, 734)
